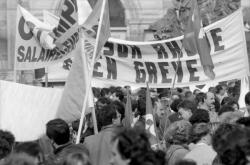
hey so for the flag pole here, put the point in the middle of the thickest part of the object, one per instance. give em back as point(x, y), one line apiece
point(91, 75)
point(94, 120)
point(46, 77)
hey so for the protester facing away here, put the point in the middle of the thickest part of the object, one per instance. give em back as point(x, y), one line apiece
point(99, 145)
point(32, 149)
point(132, 147)
point(202, 151)
point(59, 134)
point(232, 144)
point(7, 140)
point(176, 139)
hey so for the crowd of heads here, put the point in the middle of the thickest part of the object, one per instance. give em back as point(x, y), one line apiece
point(192, 128)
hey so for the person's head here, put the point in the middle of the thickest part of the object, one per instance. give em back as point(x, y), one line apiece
point(212, 89)
point(244, 121)
point(32, 149)
point(186, 109)
point(120, 110)
point(200, 99)
point(165, 99)
point(209, 99)
point(196, 91)
point(200, 133)
point(58, 131)
point(174, 105)
point(107, 116)
point(129, 147)
point(105, 92)
point(226, 100)
point(225, 108)
point(247, 101)
point(220, 90)
point(117, 95)
point(189, 96)
point(101, 102)
point(232, 146)
point(7, 140)
point(160, 109)
point(177, 133)
point(77, 158)
point(141, 107)
point(199, 116)
point(19, 159)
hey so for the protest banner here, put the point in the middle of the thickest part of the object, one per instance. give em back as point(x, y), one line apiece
point(30, 53)
point(25, 109)
point(135, 63)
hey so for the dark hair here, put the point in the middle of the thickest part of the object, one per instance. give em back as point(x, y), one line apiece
point(19, 159)
point(233, 146)
point(244, 121)
point(104, 91)
point(196, 90)
point(225, 108)
point(8, 136)
point(218, 88)
point(178, 133)
point(77, 158)
point(30, 148)
point(199, 116)
point(200, 98)
point(58, 131)
point(104, 100)
point(6, 143)
point(119, 94)
point(134, 144)
point(226, 100)
point(119, 106)
point(185, 162)
point(175, 104)
point(247, 98)
point(232, 102)
point(96, 92)
point(198, 131)
point(141, 107)
point(186, 104)
point(165, 94)
point(106, 115)
point(223, 129)
point(188, 94)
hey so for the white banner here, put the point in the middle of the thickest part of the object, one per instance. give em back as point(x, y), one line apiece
point(25, 110)
point(135, 63)
point(29, 52)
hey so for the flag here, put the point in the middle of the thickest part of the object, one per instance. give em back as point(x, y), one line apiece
point(149, 120)
point(195, 40)
point(75, 87)
point(91, 25)
point(128, 120)
point(79, 77)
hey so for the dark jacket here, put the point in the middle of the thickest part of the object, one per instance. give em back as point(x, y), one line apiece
point(175, 153)
point(99, 146)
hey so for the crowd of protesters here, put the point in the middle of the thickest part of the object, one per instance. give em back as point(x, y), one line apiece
point(194, 128)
